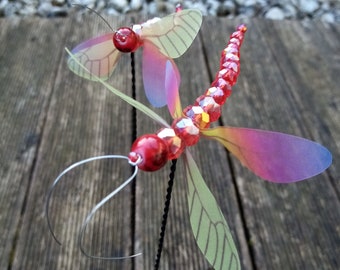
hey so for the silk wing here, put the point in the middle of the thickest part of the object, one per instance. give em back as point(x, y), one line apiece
point(98, 55)
point(208, 224)
point(274, 156)
point(173, 34)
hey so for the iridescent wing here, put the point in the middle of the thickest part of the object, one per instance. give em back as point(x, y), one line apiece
point(173, 34)
point(154, 73)
point(208, 224)
point(172, 82)
point(273, 156)
point(98, 55)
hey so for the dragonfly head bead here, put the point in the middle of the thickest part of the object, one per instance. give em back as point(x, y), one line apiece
point(152, 150)
point(126, 40)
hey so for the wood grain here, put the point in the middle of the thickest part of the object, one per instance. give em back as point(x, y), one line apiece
point(51, 118)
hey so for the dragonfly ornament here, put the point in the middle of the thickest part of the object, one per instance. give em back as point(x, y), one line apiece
point(273, 156)
point(162, 39)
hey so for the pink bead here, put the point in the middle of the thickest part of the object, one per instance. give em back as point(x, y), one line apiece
point(153, 151)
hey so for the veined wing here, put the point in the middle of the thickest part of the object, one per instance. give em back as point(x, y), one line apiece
point(98, 55)
point(274, 156)
point(174, 33)
point(208, 224)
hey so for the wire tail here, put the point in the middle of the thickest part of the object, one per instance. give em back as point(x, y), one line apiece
point(79, 163)
point(95, 209)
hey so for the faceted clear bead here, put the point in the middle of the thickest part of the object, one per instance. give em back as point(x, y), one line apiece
point(186, 129)
point(200, 117)
point(209, 105)
point(174, 142)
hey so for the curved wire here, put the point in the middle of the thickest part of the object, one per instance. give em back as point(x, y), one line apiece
point(100, 204)
point(97, 13)
point(56, 181)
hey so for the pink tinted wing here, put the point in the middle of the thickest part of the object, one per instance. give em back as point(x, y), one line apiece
point(173, 34)
point(172, 82)
point(273, 156)
point(154, 72)
point(98, 55)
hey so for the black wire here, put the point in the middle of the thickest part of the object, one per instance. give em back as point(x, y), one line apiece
point(133, 137)
point(165, 213)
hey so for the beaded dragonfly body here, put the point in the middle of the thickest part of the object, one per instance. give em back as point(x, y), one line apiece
point(162, 39)
point(273, 156)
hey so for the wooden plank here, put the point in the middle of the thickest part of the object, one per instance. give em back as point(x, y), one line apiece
point(83, 120)
point(288, 226)
point(52, 118)
point(25, 93)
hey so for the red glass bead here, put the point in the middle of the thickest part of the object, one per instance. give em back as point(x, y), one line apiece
point(235, 66)
point(229, 57)
point(209, 105)
point(242, 28)
point(153, 151)
point(199, 117)
point(231, 49)
point(217, 94)
point(178, 7)
point(175, 143)
point(186, 129)
point(228, 75)
point(238, 35)
point(236, 41)
point(224, 85)
point(126, 40)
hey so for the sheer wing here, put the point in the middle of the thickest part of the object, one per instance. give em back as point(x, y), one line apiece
point(98, 55)
point(172, 82)
point(273, 156)
point(210, 229)
point(173, 34)
point(154, 67)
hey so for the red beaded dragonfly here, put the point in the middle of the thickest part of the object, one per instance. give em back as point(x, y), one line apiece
point(274, 156)
point(162, 39)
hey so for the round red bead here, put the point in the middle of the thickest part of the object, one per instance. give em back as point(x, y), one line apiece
point(152, 150)
point(126, 40)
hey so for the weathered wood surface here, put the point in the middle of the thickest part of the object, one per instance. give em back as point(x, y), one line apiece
point(51, 118)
